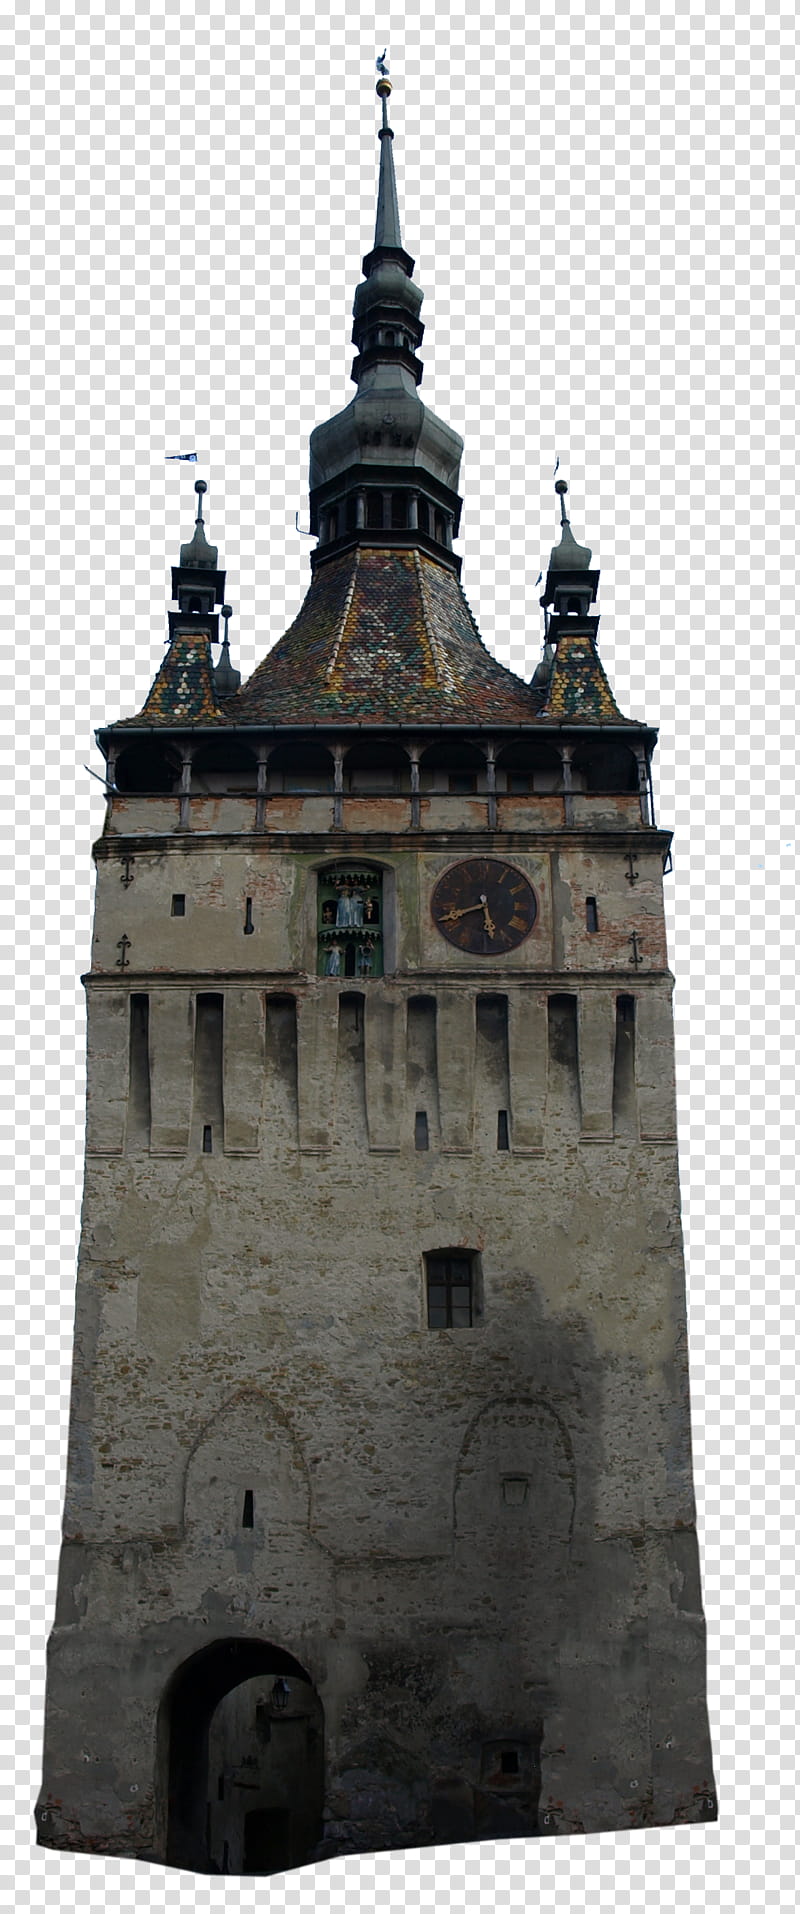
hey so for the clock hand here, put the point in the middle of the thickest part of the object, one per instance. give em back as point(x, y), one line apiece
point(452, 916)
point(487, 920)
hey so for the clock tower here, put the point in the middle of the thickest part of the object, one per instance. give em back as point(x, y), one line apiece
point(379, 1526)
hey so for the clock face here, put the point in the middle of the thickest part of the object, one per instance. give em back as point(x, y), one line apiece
point(484, 906)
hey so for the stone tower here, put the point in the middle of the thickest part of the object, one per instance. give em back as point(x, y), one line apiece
point(379, 1518)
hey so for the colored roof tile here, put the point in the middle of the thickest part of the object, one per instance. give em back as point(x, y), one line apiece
point(383, 637)
point(579, 689)
point(182, 691)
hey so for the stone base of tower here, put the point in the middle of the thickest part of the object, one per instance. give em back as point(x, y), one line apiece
point(234, 1742)
point(337, 1580)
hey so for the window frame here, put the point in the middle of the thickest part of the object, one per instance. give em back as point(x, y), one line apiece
point(440, 1274)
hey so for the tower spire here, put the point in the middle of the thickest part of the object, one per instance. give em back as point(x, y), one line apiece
point(387, 218)
point(388, 246)
point(385, 470)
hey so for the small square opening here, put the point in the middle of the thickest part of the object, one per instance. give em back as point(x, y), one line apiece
point(178, 904)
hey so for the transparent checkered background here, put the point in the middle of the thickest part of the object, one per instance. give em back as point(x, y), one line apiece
point(601, 205)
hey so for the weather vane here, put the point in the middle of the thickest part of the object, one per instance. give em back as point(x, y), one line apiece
point(380, 65)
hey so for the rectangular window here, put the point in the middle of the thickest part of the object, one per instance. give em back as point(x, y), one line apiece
point(421, 1130)
point(449, 1284)
point(502, 1130)
point(591, 914)
point(178, 904)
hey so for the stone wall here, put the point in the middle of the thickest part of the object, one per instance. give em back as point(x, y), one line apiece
point(468, 1551)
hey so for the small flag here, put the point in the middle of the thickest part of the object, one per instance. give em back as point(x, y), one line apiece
point(539, 579)
point(189, 457)
point(556, 466)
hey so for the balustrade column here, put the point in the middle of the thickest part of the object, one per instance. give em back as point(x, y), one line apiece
point(413, 511)
point(361, 511)
point(111, 779)
point(338, 784)
point(184, 821)
point(491, 784)
point(644, 784)
point(566, 779)
point(261, 788)
point(413, 752)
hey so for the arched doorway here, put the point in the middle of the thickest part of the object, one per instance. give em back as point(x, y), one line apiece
point(243, 1755)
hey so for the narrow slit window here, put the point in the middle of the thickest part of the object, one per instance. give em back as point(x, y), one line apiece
point(421, 1140)
point(591, 914)
point(509, 1761)
point(503, 1142)
point(178, 904)
point(208, 1146)
point(247, 1509)
point(138, 1127)
point(220, 1787)
point(249, 926)
point(450, 1292)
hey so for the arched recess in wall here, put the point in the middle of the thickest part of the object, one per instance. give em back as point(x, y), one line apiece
point(224, 765)
point(241, 1760)
point(604, 766)
point(515, 1490)
point(247, 1450)
point(529, 766)
point(149, 767)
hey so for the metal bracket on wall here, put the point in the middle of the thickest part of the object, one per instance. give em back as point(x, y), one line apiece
point(127, 875)
point(123, 946)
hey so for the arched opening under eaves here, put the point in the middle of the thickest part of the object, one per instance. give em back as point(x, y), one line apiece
point(148, 767)
point(377, 768)
point(529, 765)
point(301, 766)
point(605, 766)
point(454, 766)
point(223, 765)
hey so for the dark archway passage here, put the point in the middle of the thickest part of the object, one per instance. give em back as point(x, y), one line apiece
point(243, 1745)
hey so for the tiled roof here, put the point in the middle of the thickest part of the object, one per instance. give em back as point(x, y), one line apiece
point(182, 691)
point(385, 637)
point(579, 688)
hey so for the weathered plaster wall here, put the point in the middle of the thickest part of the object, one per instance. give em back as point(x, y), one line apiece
point(467, 1538)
